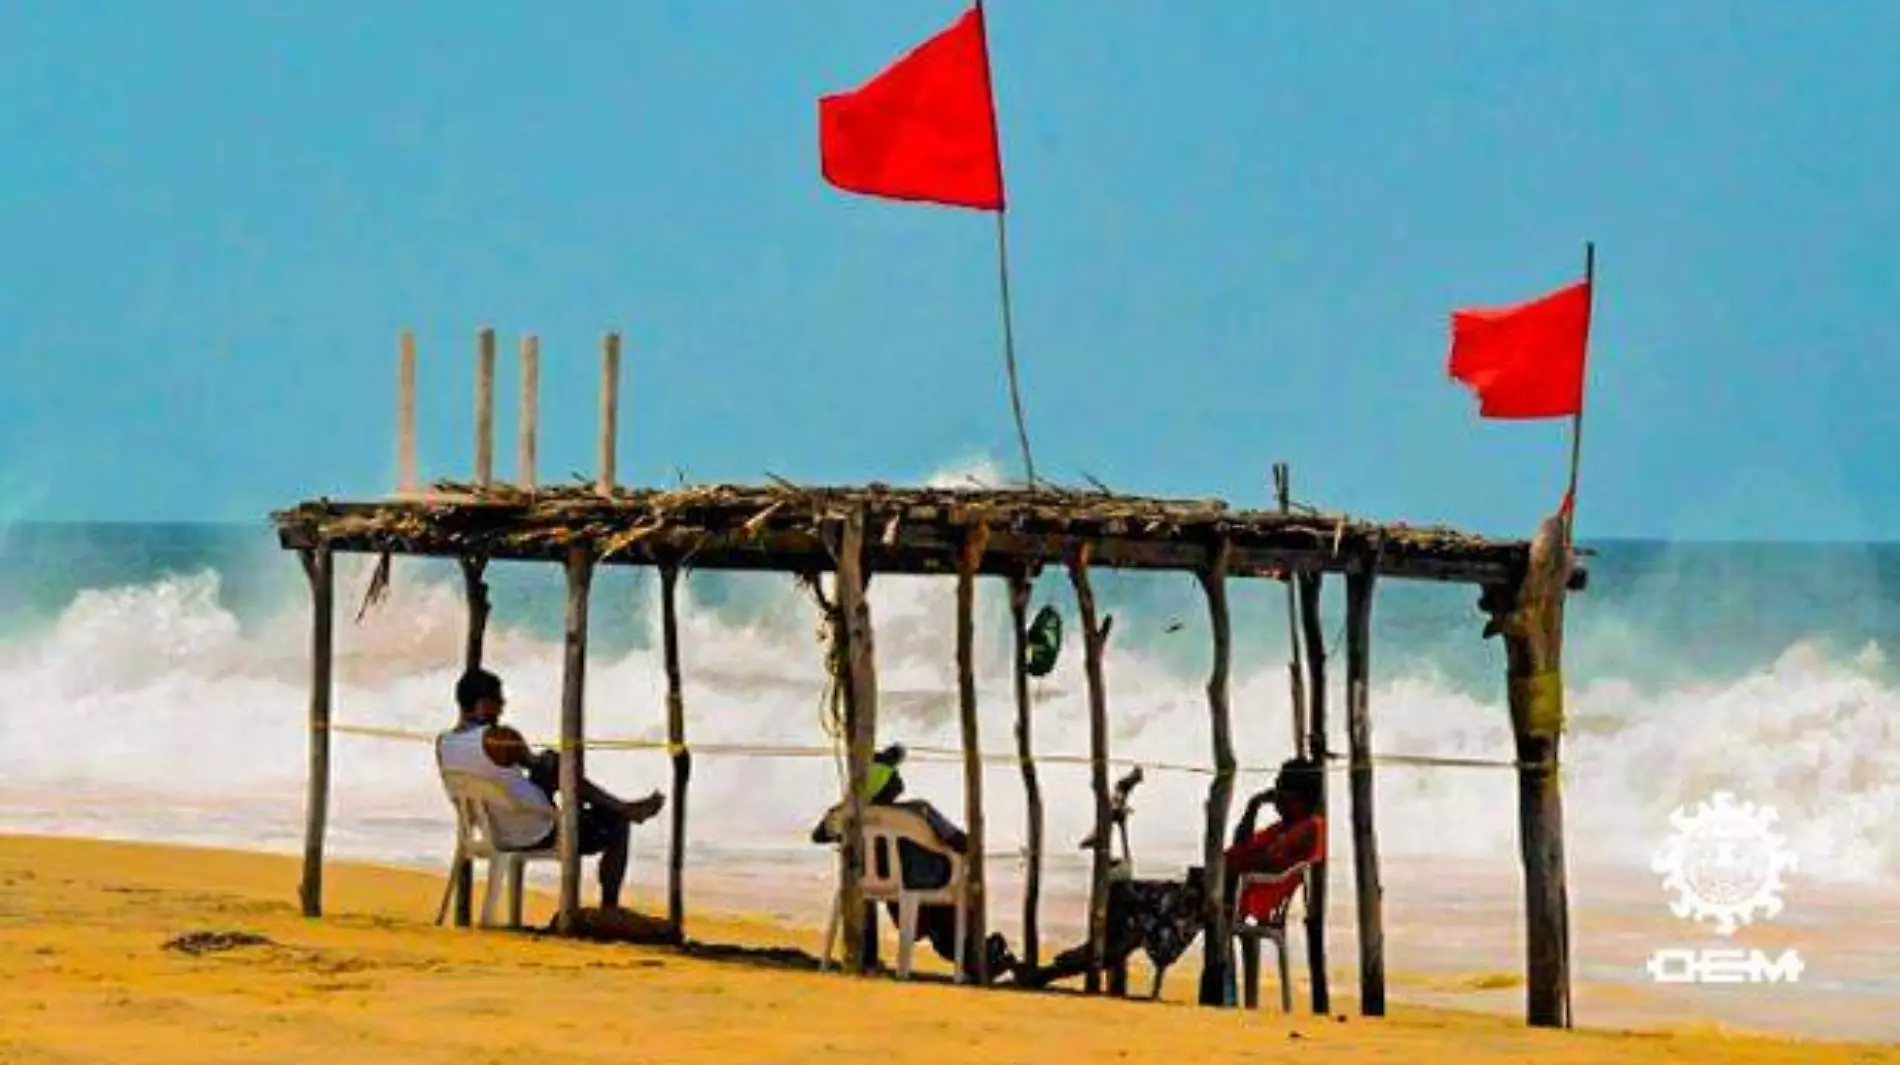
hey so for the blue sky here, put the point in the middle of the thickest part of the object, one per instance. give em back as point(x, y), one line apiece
point(1237, 230)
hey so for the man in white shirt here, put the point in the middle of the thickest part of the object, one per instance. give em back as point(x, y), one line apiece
point(478, 745)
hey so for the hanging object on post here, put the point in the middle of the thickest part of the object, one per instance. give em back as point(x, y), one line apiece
point(1045, 642)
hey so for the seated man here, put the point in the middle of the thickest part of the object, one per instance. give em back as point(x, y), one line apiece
point(918, 868)
point(1163, 918)
point(1298, 836)
point(478, 745)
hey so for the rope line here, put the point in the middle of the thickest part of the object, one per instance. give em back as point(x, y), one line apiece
point(945, 754)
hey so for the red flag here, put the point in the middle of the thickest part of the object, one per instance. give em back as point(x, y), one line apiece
point(923, 129)
point(1525, 361)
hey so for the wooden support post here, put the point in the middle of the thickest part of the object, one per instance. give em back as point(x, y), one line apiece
point(676, 743)
point(609, 410)
point(976, 901)
point(406, 416)
point(1216, 968)
point(861, 679)
point(1530, 618)
point(580, 576)
point(1093, 639)
point(475, 591)
point(319, 567)
point(1032, 789)
point(1365, 839)
point(530, 414)
point(1283, 493)
point(1315, 639)
point(485, 409)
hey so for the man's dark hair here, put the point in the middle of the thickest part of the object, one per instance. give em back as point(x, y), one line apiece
point(476, 685)
point(1300, 777)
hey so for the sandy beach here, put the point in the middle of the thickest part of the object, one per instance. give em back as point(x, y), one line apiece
point(84, 928)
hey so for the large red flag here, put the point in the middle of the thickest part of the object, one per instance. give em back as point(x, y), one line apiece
point(923, 129)
point(1525, 361)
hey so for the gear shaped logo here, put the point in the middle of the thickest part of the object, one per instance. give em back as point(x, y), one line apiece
point(1724, 863)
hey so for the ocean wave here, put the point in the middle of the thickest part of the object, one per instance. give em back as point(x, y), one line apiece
point(154, 697)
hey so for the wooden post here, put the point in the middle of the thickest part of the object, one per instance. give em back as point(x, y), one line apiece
point(1365, 839)
point(319, 567)
point(580, 575)
point(1025, 753)
point(406, 416)
point(1530, 618)
point(676, 743)
point(1216, 971)
point(530, 415)
point(1316, 745)
point(861, 679)
point(485, 409)
point(1092, 641)
point(609, 410)
point(475, 591)
point(1283, 492)
point(974, 541)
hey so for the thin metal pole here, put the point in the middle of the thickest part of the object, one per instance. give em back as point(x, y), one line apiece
point(1009, 344)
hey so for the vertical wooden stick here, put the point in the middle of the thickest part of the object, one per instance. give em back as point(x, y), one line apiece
point(1316, 743)
point(609, 410)
point(1283, 491)
point(475, 592)
point(1530, 617)
point(485, 409)
point(1216, 933)
point(530, 415)
point(1365, 839)
point(676, 742)
point(406, 416)
point(580, 575)
point(1092, 643)
point(976, 900)
point(1025, 753)
point(319, 566)
point(861, 676)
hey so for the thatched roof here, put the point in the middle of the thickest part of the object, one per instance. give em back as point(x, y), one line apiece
point(783, 527)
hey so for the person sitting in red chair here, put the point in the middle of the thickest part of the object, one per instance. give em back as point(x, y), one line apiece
point(1299, 836)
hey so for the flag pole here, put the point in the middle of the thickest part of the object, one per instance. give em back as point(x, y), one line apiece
point(1009, 343)
point(1576, 425)
point(1002, 265)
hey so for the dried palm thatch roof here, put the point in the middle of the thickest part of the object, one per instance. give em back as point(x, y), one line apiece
point(786, 528)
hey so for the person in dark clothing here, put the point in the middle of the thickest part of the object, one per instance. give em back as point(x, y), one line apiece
point(919, 868)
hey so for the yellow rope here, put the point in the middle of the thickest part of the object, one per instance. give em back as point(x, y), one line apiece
point(931, 754)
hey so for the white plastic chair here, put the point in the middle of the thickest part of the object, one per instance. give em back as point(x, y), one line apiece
point(475, 799)
point(1249, 932)
point(883, 881)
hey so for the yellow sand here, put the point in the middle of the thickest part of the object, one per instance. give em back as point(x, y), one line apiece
point(85, 978)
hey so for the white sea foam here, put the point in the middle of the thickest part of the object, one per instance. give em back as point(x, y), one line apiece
point(146, 710)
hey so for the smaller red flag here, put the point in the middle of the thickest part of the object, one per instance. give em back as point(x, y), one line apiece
point(923, 129)
point(1525, 361)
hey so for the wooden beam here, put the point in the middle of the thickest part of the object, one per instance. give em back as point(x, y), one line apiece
point(609, 410)
point(406, 415)
point(485, 409)
point(861, 678)
point(1365, 839)
point(1093, 639)
point(475, 593)
point(319, 567)
point(1530, 618)
point(1283, 494)
point(1026, 758)
point(1315, 639)
point(530, 414)
point(497, 532)
point(1217, 935)
point(976, 901)
point(682, 757)
point(580, 574)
